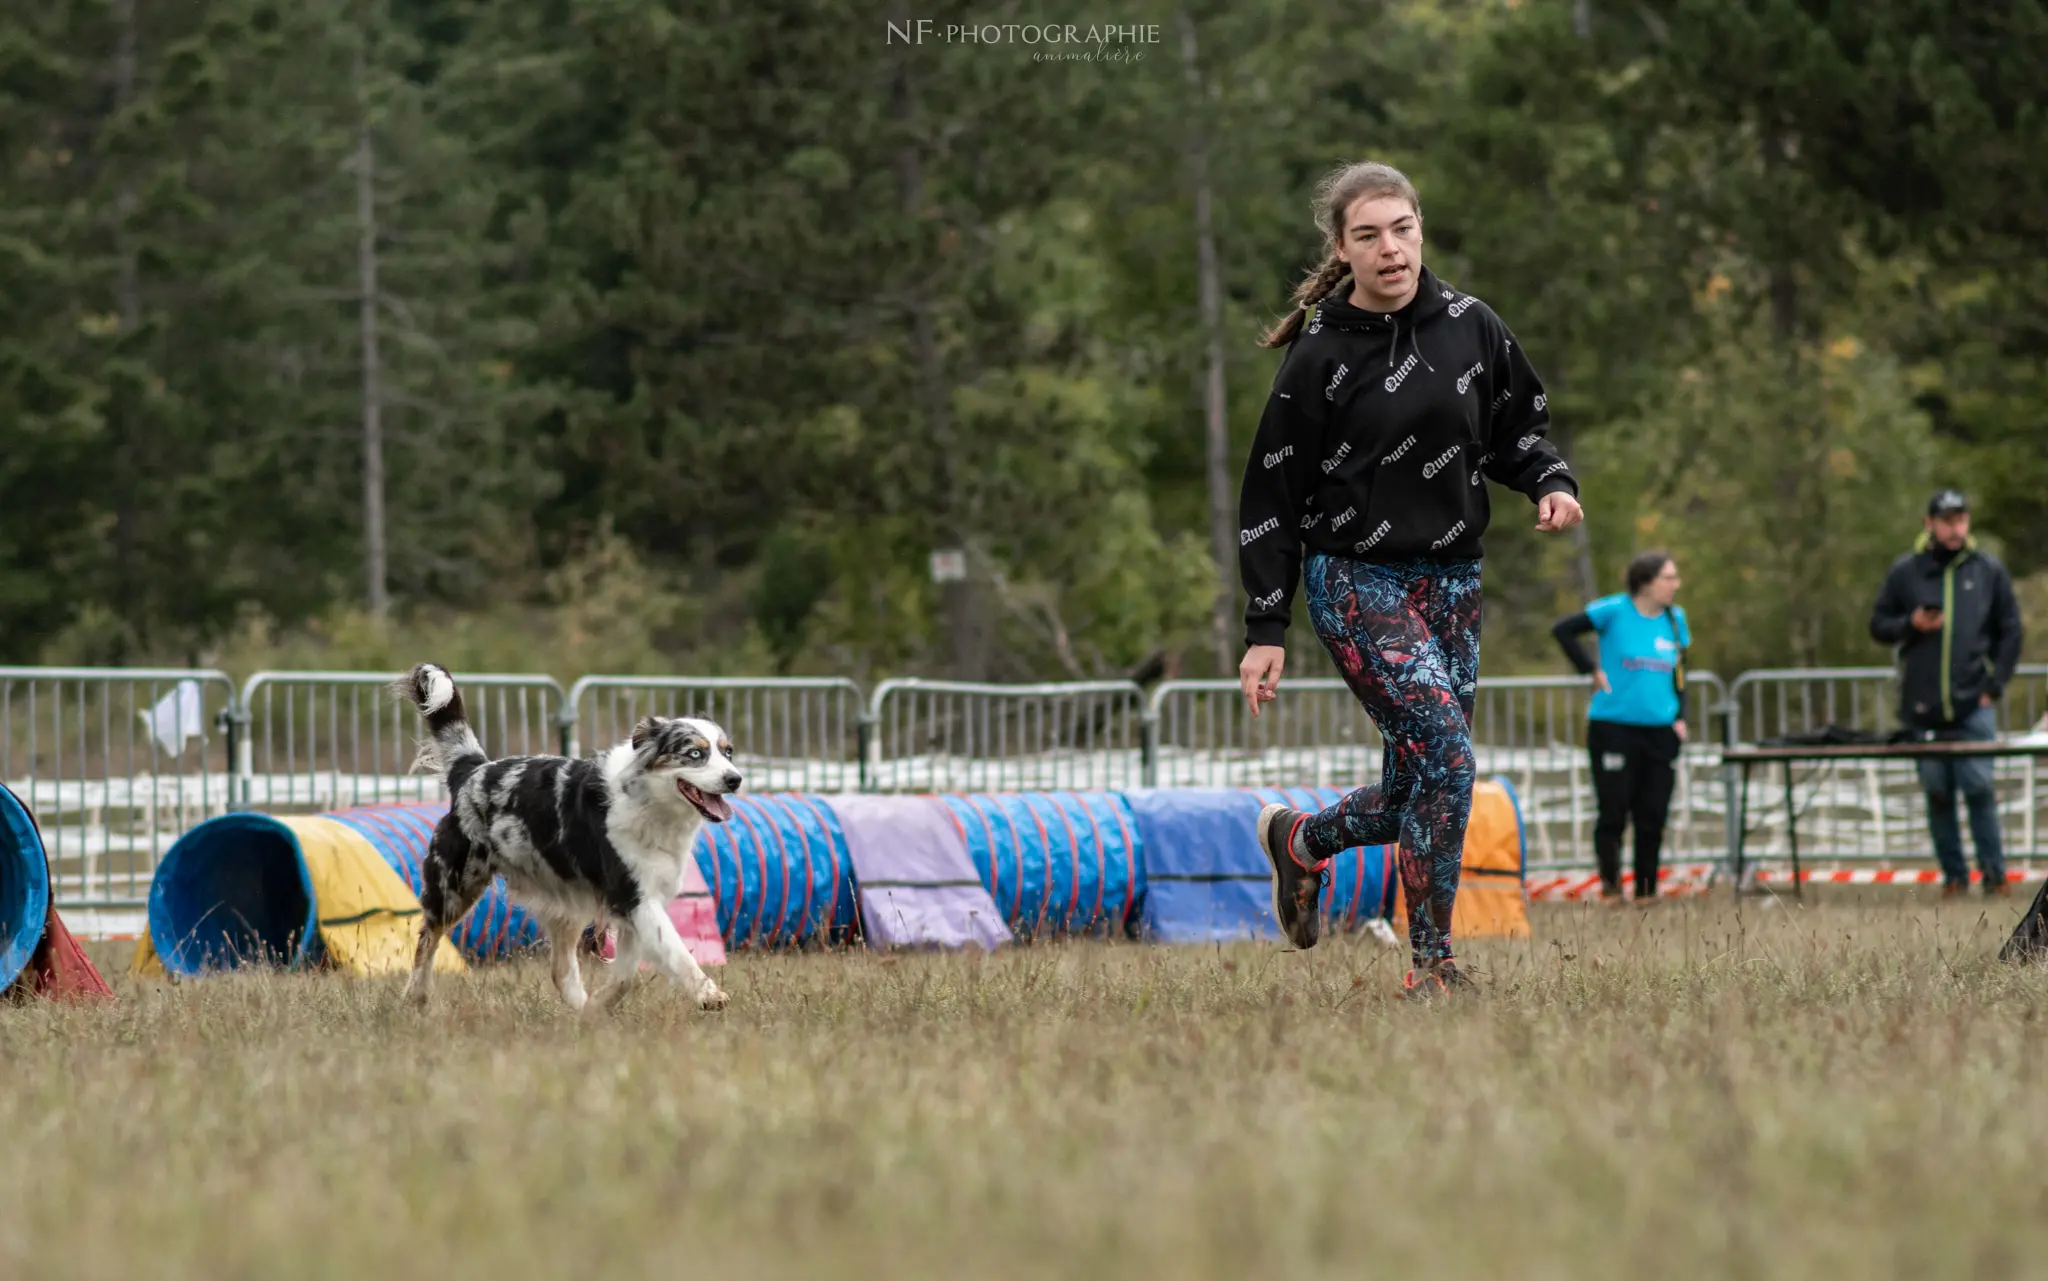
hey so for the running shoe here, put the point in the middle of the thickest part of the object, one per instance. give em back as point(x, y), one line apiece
point(1297, 890)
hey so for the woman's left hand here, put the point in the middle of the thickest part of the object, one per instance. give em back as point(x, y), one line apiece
point(1678, 728)
point(1557, 511)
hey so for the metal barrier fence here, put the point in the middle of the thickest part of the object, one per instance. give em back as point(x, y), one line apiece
point(795, 734)
point(943, 736)
point(1871, 811)
point(1531, 729)
point(116, 763)
point(314, 741)
point(119, 762)
point(1798, 700)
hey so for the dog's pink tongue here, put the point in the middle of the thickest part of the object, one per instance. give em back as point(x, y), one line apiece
point(718, 808)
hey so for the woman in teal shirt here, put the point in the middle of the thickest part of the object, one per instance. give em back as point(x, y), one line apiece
point(1636, 725)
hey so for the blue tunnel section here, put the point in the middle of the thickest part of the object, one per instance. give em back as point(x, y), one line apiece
point(1361, 879)
point(233, 891)
point(495, 928)
point(779, 873)
point(1056, 863)
point(1206, 879)
point(24, 887)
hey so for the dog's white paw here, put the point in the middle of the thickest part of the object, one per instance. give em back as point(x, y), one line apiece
point(711, 996)
point(415, 995)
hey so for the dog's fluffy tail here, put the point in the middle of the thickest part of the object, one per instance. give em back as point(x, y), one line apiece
point(450, 741)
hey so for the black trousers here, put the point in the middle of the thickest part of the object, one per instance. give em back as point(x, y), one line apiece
point(1634, 770)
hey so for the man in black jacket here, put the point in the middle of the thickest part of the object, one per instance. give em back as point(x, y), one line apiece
point(1949, 608)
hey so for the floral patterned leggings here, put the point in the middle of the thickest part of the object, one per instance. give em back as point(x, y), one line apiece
point(1406, 638)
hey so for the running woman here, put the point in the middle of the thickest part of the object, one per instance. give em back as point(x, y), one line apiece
point(1397, 398)
point(1635, 727)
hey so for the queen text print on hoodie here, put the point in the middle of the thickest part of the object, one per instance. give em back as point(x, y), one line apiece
point(1377, 439)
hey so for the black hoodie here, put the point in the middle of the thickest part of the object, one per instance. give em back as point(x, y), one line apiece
point(1376, 436)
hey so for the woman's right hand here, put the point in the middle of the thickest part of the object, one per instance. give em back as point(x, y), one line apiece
point(1600, 682)
point(1259, 674)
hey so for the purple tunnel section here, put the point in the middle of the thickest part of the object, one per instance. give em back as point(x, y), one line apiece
point(918, 887)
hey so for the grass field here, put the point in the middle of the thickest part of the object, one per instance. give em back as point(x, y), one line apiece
point(1853, 1090)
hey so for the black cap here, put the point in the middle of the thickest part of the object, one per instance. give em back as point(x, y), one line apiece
point(1947, 502)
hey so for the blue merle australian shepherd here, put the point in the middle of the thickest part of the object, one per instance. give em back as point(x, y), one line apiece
point(601, 841)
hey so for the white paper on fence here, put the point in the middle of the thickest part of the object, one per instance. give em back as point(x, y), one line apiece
point(177, 718)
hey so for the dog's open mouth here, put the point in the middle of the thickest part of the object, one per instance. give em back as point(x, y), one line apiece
point(710, 804)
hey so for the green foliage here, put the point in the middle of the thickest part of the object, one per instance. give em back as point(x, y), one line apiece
point(1784, 480)
point(602, 610)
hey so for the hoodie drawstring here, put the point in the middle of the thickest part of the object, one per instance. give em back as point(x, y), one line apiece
point(1413, 345)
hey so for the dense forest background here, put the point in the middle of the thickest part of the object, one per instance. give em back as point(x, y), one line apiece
point(619, 335)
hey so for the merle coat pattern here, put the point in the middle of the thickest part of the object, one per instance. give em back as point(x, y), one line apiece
point(600, 841)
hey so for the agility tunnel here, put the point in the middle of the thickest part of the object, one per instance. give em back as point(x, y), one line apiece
point(796, 870)
point(779, 873)
point(496, 928)
point(298, 892)
point(493, 930)
point(341, 890)
point(24, 887)
point(1208, 881)
point(800, 870)
point(1056, 864)
point(1493, 899)
point(38, 956)
point(916, 885)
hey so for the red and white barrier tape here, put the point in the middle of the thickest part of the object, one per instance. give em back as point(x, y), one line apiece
point(1697, 878)
point(1688, 878)
point(1877, 876)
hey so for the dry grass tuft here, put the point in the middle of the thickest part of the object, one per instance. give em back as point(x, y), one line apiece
point(1851, 1090)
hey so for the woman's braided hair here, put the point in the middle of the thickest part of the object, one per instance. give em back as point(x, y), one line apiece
point(1339, 190)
